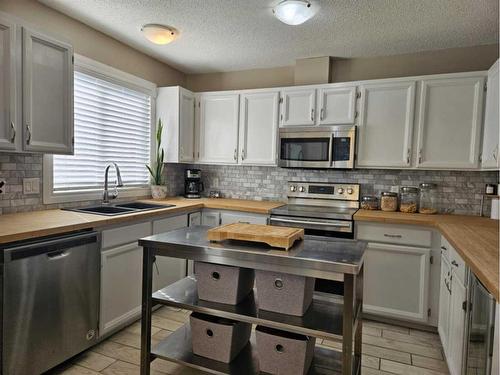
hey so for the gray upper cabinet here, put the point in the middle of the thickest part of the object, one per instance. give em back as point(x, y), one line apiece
point(8, 74)
point(47, 94)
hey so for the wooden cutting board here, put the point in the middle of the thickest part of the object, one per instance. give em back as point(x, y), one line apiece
point(283, 237)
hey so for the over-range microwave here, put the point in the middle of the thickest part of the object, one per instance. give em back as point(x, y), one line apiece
point(319, 147)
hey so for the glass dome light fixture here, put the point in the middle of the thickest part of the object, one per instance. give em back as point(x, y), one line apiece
point(293, 12)
point(159, 34)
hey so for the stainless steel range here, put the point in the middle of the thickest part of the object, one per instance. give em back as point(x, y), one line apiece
point(322, 208)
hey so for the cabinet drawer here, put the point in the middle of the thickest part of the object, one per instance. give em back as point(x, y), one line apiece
point(170, 223)
point(393, 234)
point(125, 234)
point(239, 217)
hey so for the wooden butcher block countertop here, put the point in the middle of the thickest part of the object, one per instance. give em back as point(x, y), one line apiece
point(21, 226)
point(474, 238)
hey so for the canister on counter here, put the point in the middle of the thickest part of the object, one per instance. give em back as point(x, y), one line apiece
point(369, 202)
point(389, 201)
point(428, 198)
point(409, 199)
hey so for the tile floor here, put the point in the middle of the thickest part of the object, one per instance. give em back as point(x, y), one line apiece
point(387, 350)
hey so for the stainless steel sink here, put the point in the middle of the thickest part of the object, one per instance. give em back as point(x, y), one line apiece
point(144, 206)
point(105, 210)
point(121, 209)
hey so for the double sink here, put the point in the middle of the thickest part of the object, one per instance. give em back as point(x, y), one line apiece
point(121, 209)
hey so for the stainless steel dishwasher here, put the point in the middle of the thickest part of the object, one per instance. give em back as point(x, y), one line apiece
point(50, 301)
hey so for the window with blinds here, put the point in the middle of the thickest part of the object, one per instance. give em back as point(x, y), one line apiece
point(112, 124)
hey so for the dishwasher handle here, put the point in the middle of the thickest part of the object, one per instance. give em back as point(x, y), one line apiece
point(53, 246)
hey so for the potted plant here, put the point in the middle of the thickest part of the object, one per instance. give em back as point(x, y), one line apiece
point(158, 189)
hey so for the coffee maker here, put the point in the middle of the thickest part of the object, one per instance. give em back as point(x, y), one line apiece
point(193, 187)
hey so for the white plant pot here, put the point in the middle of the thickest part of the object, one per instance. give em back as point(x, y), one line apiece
point(159, 191)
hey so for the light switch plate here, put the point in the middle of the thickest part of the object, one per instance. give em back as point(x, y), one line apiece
point(31, 185)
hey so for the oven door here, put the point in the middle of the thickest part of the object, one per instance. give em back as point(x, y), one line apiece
point(343, 146)
point(307, 149)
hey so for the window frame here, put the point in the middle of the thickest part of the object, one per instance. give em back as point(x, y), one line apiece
point(88, 66)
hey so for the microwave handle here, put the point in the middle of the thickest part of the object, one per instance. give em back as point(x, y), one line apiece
point(330, 151)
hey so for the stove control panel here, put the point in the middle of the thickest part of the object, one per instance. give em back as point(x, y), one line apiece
point(323, 190)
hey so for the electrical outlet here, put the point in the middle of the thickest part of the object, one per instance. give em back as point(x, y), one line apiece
point(395, 188)
point(215, 182)
point(31, 185)
point(3, 186)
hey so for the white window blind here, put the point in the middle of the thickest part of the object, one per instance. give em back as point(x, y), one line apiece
point(112, 124)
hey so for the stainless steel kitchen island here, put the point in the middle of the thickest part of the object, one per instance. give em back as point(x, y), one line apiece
point(335, 318)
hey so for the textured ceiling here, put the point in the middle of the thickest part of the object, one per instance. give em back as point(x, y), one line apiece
point(226, 35)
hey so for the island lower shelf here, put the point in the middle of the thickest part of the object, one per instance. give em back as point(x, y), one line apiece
point(323, 319)
point(177, 348)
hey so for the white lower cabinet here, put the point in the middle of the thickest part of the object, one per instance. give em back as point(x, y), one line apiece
point(444, 302)
point(456, 334)
point(168, 270)
point(121, 270)
point(398, 269)
point(121, 281)
point(396, 281)
point(452, 307)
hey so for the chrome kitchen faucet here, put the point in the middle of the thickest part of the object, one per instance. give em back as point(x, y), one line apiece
point(106, 196)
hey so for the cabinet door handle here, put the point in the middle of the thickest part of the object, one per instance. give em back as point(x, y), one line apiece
point(444, 248)
point(243, 154)
point(393, 235)
point(408, 152)
point(312, 114)
point(235, 154)
point(420, 156)
point(454, 262)
point(13, 132)
point(322, 114)
point(28, 135)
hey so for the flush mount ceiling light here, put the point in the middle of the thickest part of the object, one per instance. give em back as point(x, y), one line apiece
point(159, 34)
point(293, 12)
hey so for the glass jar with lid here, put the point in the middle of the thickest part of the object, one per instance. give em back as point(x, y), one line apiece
point(408, 199)
point(389, 201)
point(428, 198)
point(369, 202)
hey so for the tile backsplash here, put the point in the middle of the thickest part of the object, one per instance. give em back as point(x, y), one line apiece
point(458, 192)
point(13, 169)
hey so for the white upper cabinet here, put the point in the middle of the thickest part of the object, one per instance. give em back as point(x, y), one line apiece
point(218, 128)
point(386, 124)
point(337, 105)
point(47, 94)
point(449, 123)
point(299, 107)
point(489, 157)
point(8, 118)
point(258, 127)
point(176, 108)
